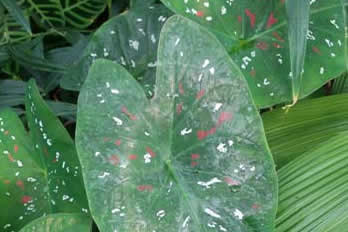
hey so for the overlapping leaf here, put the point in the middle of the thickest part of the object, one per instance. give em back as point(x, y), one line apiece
point(194, 158)
point(306, 125)
point(130, 39)
point(256, 36)
point(40, 172)
point(313, 189)
point(60, 223)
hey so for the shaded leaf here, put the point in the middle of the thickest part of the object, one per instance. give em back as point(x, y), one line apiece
point(313, 189)
point(193, 158)
point(39, 172)
point(17, 13)
point(306, 125)
point(256, 36)
point(130, 39)
point(60, 223)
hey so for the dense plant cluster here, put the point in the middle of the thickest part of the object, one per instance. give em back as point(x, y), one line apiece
point(185, 115)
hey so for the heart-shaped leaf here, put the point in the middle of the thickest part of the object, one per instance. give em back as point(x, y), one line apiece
point(40, 172)
point(130, 39)
point(194, 158)
point(60, 222)
point(256, 36)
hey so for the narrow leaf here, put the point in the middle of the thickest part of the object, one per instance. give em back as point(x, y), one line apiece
point(17, 13)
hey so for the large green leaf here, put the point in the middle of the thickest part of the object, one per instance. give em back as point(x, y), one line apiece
point(60, 223)
point(313, 189)
point(130, 39)
point(40, 172)
point(194, 158)
point(17, 13)
point(256, 36)
point(306, 125)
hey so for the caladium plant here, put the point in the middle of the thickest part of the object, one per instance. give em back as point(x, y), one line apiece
point(39, 172)
point(193, 158)
point(256, 36)
point(116, 40)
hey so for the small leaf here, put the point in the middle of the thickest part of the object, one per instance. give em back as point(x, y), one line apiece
point(60, 223)
point(313, 189)
point(193, 158)
point(17, 13)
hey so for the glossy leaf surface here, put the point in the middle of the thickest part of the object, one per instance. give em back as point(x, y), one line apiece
point(130, 39)
point(305, 126)
point(194, 158)
point(313, 189)
point(256, 36)
point(40, 172)
point(60, 223)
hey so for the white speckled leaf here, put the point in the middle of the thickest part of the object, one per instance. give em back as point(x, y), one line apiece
point(60, 222)
point(130, 39)
point(255, 33)
point(40, 172)
point(194, 158)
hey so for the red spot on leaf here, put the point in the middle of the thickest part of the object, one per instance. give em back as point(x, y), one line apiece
point(251, 17)
point(10, 158)
point(239, 18)
point(15, 148)
point(114, 160)
point(271, 20)
point(316, 50)
point(194, 164)
point(200, 13)
point(181, 89)
point(201, 134)
point(26, 199)
point(200, 94)
point(118, 142)
point(224, 116)
point(277, 45)
point(277, 36)
point(143, 188)
point(126, 112)
point(195, 156)
point(20, 184)
point(256, 206)
point(132, 157)
point(262, 45)
point(231, 182)
point(179, 108)
point(253, 73)
point(150, 152)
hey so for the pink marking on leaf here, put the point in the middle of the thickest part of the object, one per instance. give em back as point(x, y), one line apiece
point(200, 94)
point(131, 116)
point(316, 50)
point(277, 36)
point(224, 116)
point(255, 206)
point(132, 157)
point(194, 164)
point(251, 16)
point(118, 142)
point(200, 13)
point(277, 45)
point(15, 148)
point(181, 89)
point(143, 188)
point(26, 199)
point(179, 108)
point(262, 45)
point(150, 151)
point(231, 182)
point(114, 160)
point(20, 184)
point(240, 18)
point(271, 20)
point(195, 156)
point(201, 134)
point(10, 158)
